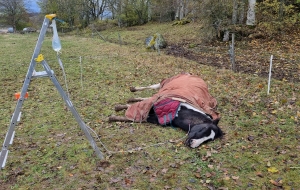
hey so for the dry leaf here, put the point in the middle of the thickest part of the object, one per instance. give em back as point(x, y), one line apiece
point(197, 175)
point(208, 154)
point(274, 111)
point(235, 177)
point(208, 175)
point(275, 183)
point(164, 170)
point(259, 174)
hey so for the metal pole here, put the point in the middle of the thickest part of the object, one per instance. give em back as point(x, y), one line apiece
point(233, 54)
point(270, 73)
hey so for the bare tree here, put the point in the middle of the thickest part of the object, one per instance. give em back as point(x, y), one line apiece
point(75, 12)
point(96, 8)
point(13, 12)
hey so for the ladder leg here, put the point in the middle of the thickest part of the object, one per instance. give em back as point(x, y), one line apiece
point(11, 129)
point(72, 109)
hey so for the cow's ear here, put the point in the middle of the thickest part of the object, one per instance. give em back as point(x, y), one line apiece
point(216, 121)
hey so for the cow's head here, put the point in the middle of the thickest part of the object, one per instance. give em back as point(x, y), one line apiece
point(203, 132)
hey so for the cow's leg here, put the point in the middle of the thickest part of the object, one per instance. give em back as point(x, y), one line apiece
point(117, 118)
point(132, 100)
point(121, 107)
point(154, 87)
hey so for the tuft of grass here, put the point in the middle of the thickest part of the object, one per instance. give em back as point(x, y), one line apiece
point(50, 151)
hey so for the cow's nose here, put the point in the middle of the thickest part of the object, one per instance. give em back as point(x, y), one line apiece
point(192, 143)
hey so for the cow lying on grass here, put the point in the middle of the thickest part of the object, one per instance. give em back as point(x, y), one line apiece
point(182, 101)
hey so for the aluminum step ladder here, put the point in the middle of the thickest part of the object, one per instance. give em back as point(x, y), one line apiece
point(31, 73)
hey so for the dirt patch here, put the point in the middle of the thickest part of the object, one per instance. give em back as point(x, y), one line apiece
point(248, 59)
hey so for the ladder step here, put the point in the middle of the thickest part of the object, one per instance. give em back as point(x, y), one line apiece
point(40, 74)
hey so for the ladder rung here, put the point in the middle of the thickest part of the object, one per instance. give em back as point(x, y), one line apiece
point(41, 74)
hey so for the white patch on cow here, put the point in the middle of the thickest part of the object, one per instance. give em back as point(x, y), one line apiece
point(153, 87)
point(196, 142)
point(189, 107)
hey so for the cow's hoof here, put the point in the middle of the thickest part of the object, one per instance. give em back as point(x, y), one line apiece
point(132, 89)
point(120, 107)
point(112, 118)
point(115, 118)
point(133, 100)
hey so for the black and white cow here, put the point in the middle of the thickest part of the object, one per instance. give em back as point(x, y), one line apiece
point(201, 127)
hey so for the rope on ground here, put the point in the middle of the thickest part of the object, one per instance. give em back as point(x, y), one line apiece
point(138, 148)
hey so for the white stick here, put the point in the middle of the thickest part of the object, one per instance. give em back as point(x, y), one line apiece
point(270, 73)
point(81, 73)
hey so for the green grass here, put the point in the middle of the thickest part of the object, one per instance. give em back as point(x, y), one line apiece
point(50, 151)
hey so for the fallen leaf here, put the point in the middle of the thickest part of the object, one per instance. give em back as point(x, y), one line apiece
point(259, 174)
point(208, 154)
point(275, 183)
point(164, 170)
point(235, 177)
point(115, 180)
point(152, 179)
point(272, 170)
point(274, 111)
point(199, 170)
point(208, 175)
point(128, 182)
point(250, 138)
point(173, 165)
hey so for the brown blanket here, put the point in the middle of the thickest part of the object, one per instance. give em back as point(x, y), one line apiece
point(186, 88)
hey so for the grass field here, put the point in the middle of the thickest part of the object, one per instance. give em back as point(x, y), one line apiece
point(260, 149)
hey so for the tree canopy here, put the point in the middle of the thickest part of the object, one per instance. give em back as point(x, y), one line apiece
point(216, 17)
point(14, 13)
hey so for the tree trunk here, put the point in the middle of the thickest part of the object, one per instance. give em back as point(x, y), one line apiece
point(234, 12)
point(251, 13)
point(281, 10)
point(179, 11)
point(149, 10)
point(241, 12)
